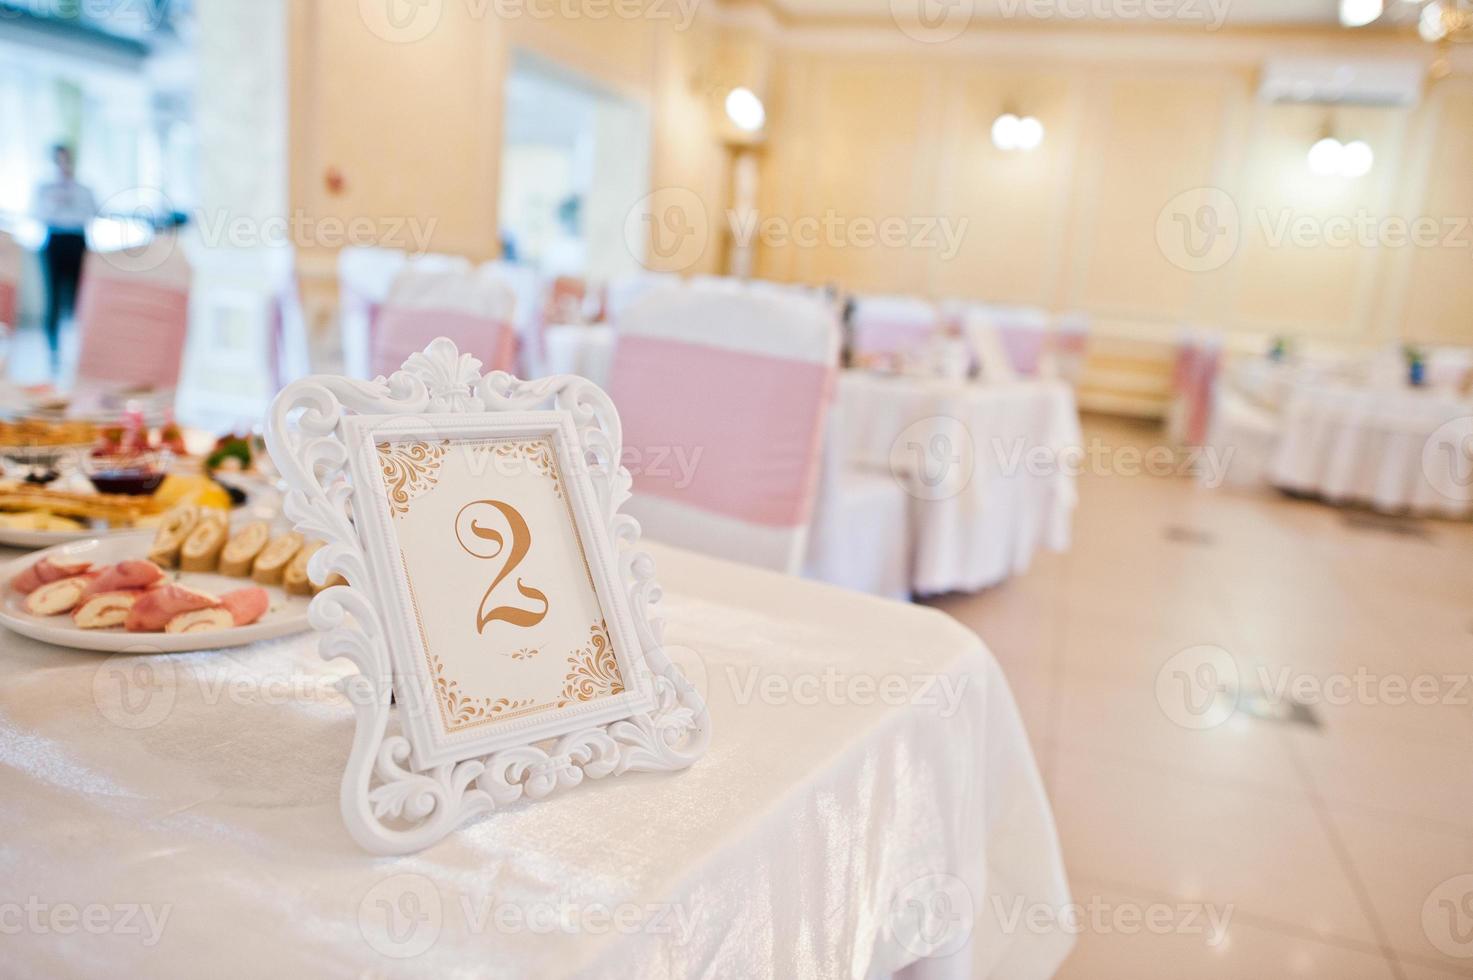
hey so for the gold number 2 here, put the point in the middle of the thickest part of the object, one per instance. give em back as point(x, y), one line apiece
point(473, 536)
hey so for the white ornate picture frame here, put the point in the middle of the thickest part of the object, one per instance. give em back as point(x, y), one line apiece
point(469, 516)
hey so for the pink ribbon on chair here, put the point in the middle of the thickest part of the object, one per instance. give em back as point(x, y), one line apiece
point(724, 431)
point(1024, 347)
point(1199, 398)
point(132, 331)
point(401, 332)
point(8, 304)
point(886, 336)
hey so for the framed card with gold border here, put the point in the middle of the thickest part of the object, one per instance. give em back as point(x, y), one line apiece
point(495, 600)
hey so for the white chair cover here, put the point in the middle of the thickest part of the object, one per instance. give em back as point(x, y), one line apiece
point(1023, 332)
point(133, 317)
point(723, 397)
point(892, 326)
point(365, 274)
point(624, 291)
point(529, 289)
point(474, 308)
point(862, 537)
point(987, 346)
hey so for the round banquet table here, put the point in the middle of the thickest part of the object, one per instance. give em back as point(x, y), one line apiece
point(1394, 449)
point(816, 838)
point(979, 528)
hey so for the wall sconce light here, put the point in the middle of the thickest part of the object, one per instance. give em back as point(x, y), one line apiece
point(745, 110)
point(1359, 13)
point(1012, 132)
point(1329, 157)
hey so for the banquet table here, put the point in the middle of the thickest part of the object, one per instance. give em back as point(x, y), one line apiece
point(1017, 444)
point(1393, 448)
point(169, 814)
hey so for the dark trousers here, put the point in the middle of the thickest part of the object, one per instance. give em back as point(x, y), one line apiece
point(62, 263)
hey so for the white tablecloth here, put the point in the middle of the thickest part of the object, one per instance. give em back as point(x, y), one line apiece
point(587, 351)
point(1395, 449)
point(1023, 440)
point(175, 815)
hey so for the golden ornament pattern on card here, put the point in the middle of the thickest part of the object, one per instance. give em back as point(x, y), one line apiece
point(593, 671)
point(464, 709)
point(409, 469)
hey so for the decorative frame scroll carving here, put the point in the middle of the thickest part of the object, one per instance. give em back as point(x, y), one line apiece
point(398, 794)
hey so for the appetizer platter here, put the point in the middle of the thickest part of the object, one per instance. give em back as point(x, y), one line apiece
point(69, 481)
point(196, 583)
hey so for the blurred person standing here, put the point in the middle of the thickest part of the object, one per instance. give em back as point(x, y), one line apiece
point(65, 207)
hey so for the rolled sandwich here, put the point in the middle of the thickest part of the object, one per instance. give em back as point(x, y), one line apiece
point(105, 609)
point(270, 567)
point(201, 550)
point(296, 580)
point(170, 537)
point(243, 548)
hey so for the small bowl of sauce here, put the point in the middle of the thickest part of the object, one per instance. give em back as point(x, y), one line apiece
point(132, 475)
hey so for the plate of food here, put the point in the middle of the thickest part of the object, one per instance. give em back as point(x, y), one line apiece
point(196, 583)
point(126, 479)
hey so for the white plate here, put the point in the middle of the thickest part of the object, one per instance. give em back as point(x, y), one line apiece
point(288, 613)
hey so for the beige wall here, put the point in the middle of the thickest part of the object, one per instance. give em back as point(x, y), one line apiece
point(415, 128)
point(872, 125)
point(866, 124)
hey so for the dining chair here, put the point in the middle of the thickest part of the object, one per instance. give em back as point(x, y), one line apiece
point(133, 317)
point(472, 307)
point(365, 274)
point(892, 326)
point(529, 292)
point(723, 396)
point(10, 275)
point(981, 330)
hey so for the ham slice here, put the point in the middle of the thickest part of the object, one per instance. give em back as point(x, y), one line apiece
point(126, 575)
point(45, 572)
point(246, 605)
point(154, 608)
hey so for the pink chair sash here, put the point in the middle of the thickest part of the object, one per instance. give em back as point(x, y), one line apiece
point(890, 336)
point(1199, 397)
point(747, 427)
point(8, 304)
point(400, 332)
point(132, 331)
point(1073, 344)
point(1024, 348)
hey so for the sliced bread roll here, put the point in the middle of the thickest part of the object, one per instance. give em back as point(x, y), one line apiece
point(296, 579)
point(243, 548)
point(271, 563)
point(169, 538)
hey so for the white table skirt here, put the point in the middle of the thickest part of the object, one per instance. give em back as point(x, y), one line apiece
point(1022, 490)
point(791, 850)
point(1367, 446)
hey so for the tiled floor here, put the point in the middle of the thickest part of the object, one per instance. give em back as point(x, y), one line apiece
point(1332, 847)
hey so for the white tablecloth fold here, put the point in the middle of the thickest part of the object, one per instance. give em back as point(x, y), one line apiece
point(981, 514)
point(869, 797)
